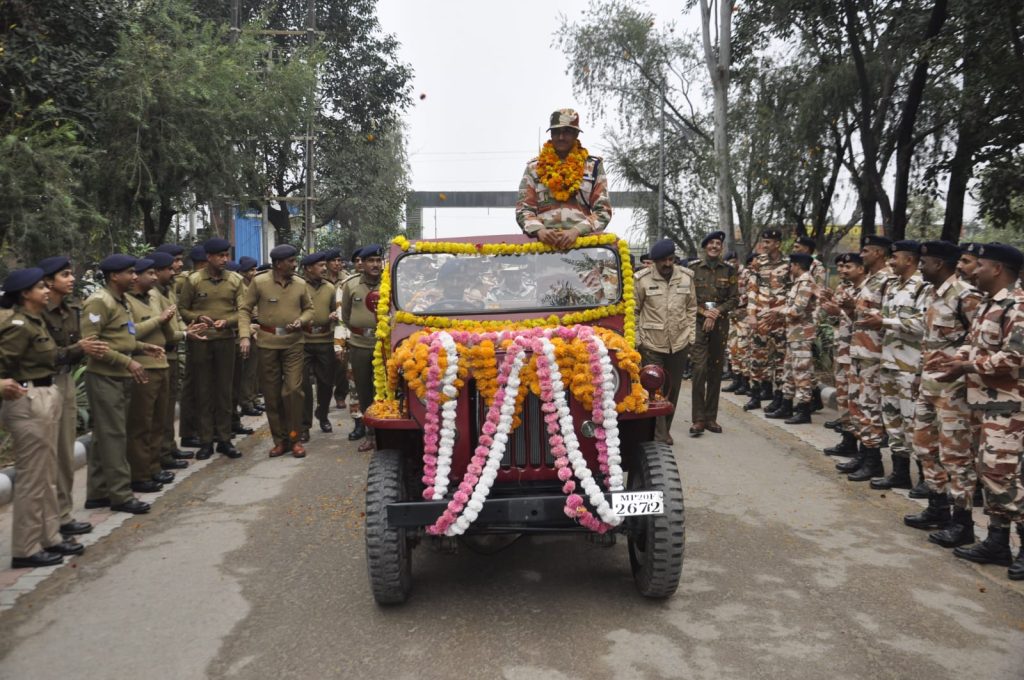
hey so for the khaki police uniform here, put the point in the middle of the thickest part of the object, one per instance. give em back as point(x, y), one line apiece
point(319, 350)
point(717, 285)
point(344, 386)
point(147, 411)
point(188, 426)
point(174, 348)
point(359, 315)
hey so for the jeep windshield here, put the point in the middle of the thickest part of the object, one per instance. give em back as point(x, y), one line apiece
point(436, 283)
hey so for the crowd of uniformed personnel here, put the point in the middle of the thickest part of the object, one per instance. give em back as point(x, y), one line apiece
point(241, 330)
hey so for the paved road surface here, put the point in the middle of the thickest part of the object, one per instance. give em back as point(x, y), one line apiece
point(255, 569)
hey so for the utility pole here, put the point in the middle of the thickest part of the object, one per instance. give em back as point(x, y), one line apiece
point(307, 204)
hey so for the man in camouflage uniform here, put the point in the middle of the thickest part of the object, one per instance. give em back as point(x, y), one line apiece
point(968, 261)
point(587, 211)
point(800, 312)
point(992, 362)
point(903, 310)
point(866, 351)
point(767, 292)
point(839, 306)
point(806, 245)
point(739, 341)
point(942, 435)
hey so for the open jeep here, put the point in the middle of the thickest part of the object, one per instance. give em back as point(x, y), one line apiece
point(510, 399)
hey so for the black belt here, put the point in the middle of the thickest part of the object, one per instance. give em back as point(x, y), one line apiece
point(37, 382)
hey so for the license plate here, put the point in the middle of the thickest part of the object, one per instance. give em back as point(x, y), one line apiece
point(631, 503)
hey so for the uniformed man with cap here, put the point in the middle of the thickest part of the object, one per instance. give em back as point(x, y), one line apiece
point(968, 261)
point(840, 306)
point(188, 419)
point(213, 296)
point(666, 307)
point(768, 290)
point(717, 292)
point(108, 384)
point(247, 376)
point(564, 191)
point(63, 316)
point(319, 344)
point(992, 362)
point(333, 263)
point(344, 383)
point(806, 245)
point(359, 315)
point(284, 306)
point(799, 313)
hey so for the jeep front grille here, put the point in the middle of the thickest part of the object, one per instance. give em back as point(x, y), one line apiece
point(528, 445)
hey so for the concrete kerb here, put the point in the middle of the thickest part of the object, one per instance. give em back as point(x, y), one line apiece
point(8, 474)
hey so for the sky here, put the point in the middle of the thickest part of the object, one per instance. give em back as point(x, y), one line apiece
point(487, 76)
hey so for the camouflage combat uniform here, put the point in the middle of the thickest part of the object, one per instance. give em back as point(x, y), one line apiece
point(865, 400)
point(800, 311)
point(588, 210)
point(841, 353)
point(739, 330)
point(768, 292)
point(942, 435)
point(902, 325)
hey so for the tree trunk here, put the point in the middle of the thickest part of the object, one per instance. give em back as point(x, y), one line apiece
point(718, 63)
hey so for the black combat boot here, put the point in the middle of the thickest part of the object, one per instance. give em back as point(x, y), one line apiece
point(870, 467)
point(358, 432)
point(959, 531)
point(783, 410)
point(995, 549)
point(801, 414)
point(816, 403)
point(776, 402)
point(921, 489)
point(854, 462)
point(755, 397)
point(978, 498)
point(744, 388)
point(836, 424)
point(737, 381)
point(899, 478)
point(728, 374)
point(935, 516)
point(847, 447)
point(1016, 570)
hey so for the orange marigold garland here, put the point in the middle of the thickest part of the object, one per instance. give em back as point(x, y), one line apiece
point(562, 177)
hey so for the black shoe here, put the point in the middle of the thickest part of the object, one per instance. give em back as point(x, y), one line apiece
point(178, 454)
point(776, 402)
point(919, 491)
point(754, 402)
point(325, 426)
point(229, 450)
point(935, 516)
point(93, 503)
point(358, 432)
point(959, 531)
point(304, 436)
point(190, 443)
point(688, 374)
point(995, 549)
point(146, 486)
point(251, 411)
point(801, 415)
point(836, 425)
point(846, 447)
point(899, 478)
point(978, 498)
point(66, 547)
point(734, 385)
point(781, 412)
point(204, 452)
point(134, 506)
point(163, 477)
point(744, 389)
point(173, 464)
point(816, 403)
point(75, 528)
point(870, 466)
point(854, 463)
point(238, 428)
point(40, 559)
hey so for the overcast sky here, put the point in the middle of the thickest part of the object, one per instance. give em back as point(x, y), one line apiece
point(490, 76)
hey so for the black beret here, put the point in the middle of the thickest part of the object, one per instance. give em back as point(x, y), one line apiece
point(52, 265)
point(731, 255)
point(117, 262)
point(332, 254)
point(142, 264)
point(907, 246)
point(750, 257)
point(231, 266)
point(263, 267)
point(662, 249)
point(357, 254)
point(719, 235)
point(172, 249)
point(375, 250)
point(216, 245)
point(245, 263)
point(802, 259)
point(283, 252)
point(22, 279)
point(645, 256)
point(773, 234)
point(197, 254)
point(944, 250)
point(313, 258)
point(849, 258)
point(807, 242)
point(1001, 252)
point(161, 260)
point(876, 240)
point(971, 248)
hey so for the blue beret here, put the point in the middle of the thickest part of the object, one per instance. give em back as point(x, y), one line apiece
point(283, 252)
point(773, 234)
point(876, 240)
point(1001, 252)
point(197, 254)
point(313, 258)
point(849, 258)
point(264, 267)
point(357, 254)
point(245, 263)
point(117, 262)
point(142, 264)
point(216, 245)
point(807, 242)
point(22, 279)
point(662, 249)
point(802, 259)
point(332, 254)
point(375, 250)
point(944, 250)
point(172, 249)
point(907, 246)
point(52, 265)
point(971, 248)
point(231, 266)
point(160, 260)
point(645, 256)
point(715, 235)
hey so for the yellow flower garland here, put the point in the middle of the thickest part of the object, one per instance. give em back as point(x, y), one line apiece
point(562, 177)
point(383, 335)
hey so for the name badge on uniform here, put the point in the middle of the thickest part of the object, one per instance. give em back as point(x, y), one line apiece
point(272, 300)
point(131, 327)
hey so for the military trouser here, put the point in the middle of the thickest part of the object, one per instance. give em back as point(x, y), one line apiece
point(249, 384)
point(866, 402)
point(167, 444)
point(673, 363)
point(361, 361)
point(899, 396)
point(188, 419)
point(236, 383)
point(842, 380)
point(708, 356)
point(766, 355)
point(320, 365)
point(944, 445)
point(147, 414)
point(66, 429)
point(32, 421)
point(281, 382)
point(212, 363)
point(1000, 448)
point(109, 474)
point(342, 375)
point(739, 347)
point(798, 372)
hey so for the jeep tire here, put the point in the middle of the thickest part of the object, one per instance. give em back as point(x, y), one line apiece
point(656, 542)
point(388, 552)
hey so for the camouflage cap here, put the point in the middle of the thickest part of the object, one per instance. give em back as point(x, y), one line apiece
point(565, 118)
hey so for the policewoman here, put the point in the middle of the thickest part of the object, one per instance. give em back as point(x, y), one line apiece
point(31, 413)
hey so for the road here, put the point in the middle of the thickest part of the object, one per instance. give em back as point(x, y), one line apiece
point(255, 569)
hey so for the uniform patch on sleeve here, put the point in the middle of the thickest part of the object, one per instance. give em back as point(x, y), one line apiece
point(17, 322)
point(94, 318)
